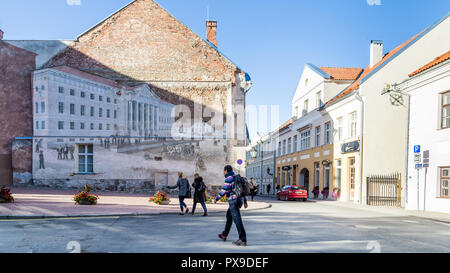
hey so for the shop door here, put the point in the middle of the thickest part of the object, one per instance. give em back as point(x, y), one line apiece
point(351, 178)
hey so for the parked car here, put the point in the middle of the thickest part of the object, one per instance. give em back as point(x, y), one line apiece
point(289, 192)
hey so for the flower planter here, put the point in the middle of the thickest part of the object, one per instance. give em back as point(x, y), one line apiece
point(165, 203)
point(85, 203)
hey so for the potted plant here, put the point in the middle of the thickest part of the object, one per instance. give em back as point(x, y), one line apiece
point(315, 191)
point(325, 193)
point(84, 197)
point(160, 198)
point(5, 195)
point(336, 193)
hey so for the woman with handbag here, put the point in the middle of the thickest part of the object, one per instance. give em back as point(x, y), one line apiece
point(184, 191)
point(199, 194)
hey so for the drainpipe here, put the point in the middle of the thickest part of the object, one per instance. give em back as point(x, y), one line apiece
point(358, 97)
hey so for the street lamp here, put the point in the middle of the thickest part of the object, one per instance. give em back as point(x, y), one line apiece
point(253, 153)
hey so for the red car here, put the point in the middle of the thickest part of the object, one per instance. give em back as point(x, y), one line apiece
point(292, 193)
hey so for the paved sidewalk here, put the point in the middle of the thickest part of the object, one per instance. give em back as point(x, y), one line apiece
point(46, 203)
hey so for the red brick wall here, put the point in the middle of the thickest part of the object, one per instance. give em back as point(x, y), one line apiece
point(16, 116)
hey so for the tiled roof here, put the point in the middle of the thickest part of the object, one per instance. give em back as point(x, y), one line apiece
point(429, 65)
point(285, 125)
point(355, 85)
point(342, 73)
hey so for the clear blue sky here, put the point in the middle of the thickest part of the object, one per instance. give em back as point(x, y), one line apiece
point(270, 39)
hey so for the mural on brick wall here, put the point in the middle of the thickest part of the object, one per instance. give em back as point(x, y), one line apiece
point(128, 164)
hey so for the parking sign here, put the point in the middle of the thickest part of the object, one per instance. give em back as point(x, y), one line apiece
point(417, 149)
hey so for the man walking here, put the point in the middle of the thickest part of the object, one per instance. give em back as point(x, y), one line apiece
point(235, 204)
point(253, 188)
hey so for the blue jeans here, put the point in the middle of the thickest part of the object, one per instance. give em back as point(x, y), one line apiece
point(182, 204)
point(234, 215)
point(203, 205)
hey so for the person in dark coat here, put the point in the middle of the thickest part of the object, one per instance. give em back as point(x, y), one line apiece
point(199, 194)
point(183, 189)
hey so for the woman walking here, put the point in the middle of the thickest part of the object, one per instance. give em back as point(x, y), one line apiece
point(199, 194)
point(183, 191)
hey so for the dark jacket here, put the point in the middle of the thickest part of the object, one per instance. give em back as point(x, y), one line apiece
point(199, 196)
point(182, 185)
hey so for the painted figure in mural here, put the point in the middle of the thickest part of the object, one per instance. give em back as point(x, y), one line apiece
point(66, 152)
point(101, 142)
point(199, 163)
point(199, 194)
point(37, 147)
point(184, 191)
point(71, 150)
point(41, 160)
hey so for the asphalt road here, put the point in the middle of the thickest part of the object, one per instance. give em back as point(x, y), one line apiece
point(296, 227)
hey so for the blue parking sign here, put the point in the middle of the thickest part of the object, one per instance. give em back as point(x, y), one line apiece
point(417, 149)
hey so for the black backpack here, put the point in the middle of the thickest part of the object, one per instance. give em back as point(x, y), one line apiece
point(241, 186)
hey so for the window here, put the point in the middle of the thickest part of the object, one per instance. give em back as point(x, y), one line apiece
point(279, 148)
point(115, 101)
point(339, 128)
point(72, 125)
point(61, 107)
point(327, 133)
point(100, 112)
point(86, 158)
point(100, 98)
point(352, 129)
point(108, 127)
point(305, 140)
point(82, 94)
point(284, 147)
point(338, 172)
point(305, 107)
point(317, 136)
point(72, 92)
point(92, 126)
point(92, 111)
point(296, 111)
point(72, 109)
point(43, 125)
point(107, 113)
point(100, 126)
point(92, 96)
point(36, 107)
point(61, 90)
point(115, 113)
point(81, 125)
point(43, 87)
point(108, 100)
point(295, 144)
point(42, 107)
point(37, 125)
point(289, 145)
point(82, 110)
point(317, 173)
point(319, 99)
point(445, 181)
point(445, 112)
point(326, 177)
point(61, 125)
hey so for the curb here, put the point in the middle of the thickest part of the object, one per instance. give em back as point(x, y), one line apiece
point(49, 217)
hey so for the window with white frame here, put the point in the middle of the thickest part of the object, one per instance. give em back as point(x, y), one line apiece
point(352, 129)
point(294, 147)
point(305, 107)
point(445, 110)
point(61, 107)
point(327, 133)
point(42, 107)
point(36, 107)
point(289, 145)
point(284, 147)
point(305, 140)
point(61, 125)
point(43, 125)
point(317, 139)
point(319, 99)
point(279, 148)
point(445, 181)
point(86, 159)
point(339, 128)
point(72, 109)
point(338, 172)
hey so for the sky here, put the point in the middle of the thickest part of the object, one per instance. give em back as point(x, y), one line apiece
point(271, 40)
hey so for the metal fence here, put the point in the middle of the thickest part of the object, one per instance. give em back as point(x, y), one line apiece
point(384, 190)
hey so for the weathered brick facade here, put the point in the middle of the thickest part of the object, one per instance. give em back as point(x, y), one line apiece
point(16, 117)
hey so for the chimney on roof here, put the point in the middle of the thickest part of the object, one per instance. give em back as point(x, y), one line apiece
point(211, 32)
point(376, 52)
point(1, 34)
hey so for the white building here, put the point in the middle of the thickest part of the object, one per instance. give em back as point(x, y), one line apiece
point(429, 127)
point(69, 102)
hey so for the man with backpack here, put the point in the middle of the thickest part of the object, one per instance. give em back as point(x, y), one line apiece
point(235, 189)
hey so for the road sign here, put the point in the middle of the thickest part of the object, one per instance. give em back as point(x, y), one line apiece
point(426, 159)
point(417, 149)
point(419, 166)
point(417, 158)
point(239, 162)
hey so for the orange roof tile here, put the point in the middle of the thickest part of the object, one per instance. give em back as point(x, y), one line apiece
point(434, 62)
point(355, 85)
point(342, 73)
point(285, 125)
